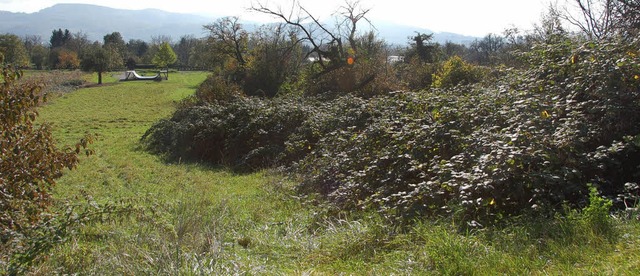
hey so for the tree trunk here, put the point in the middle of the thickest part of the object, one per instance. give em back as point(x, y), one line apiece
point(99, 77)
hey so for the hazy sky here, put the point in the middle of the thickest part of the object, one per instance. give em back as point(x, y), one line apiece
point(469, 17)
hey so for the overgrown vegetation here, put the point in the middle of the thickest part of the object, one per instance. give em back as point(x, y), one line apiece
point(30, 163)
point(190, 218)
point(512, 156)
point(524, 140)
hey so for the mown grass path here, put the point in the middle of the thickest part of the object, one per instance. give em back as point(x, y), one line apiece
point(198, 220)
point(202, 216)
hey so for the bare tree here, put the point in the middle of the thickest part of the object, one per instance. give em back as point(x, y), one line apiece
point(275, 57)
point(599, 19)
point(593, 17)
point(550, 29)
point(352, 13)
point(157, 40)
point(228, 37)
point(325, 43)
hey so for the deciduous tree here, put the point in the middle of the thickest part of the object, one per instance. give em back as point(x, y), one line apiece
point(98, 59)
point(165, 56)
point(12, 47)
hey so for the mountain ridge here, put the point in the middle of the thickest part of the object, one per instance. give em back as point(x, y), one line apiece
point(97, 21)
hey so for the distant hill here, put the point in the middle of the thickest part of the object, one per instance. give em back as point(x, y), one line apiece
point(97, 21)
point(399, 34)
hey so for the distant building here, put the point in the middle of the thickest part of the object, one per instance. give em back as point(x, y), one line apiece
point(395, 59)
point(312, 59)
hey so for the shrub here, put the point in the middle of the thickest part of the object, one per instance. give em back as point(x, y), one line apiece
point(456, 72)
point(245, 133)
point(597, 216)
point(417, 75)
point(216, 89)
point(30, 162)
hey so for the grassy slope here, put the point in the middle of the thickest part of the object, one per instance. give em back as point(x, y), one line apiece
point(209, 221)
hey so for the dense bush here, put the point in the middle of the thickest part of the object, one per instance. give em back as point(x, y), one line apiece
point(530, 142)
point(533, 141)
point(216, 89)
point(415, 74)
point(454, 72)
point(246, 133)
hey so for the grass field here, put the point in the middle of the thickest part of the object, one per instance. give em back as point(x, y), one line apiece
point(194, 219)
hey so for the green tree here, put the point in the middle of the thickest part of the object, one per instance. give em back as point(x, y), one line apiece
point(12, 47)
point(422, 47)
point(137, 48)
point(97, 59)
point(275, 57)
point(165, 56)
point(39, 55)
point(59, 38)
point(116, 46)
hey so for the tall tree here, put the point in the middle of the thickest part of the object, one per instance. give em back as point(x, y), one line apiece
point(31, 41)
point(486, 50)
point(39, 55)
point(275, 56)
point(422, 47)
point(114, 38)
point(59, 38)
point(165, 56)
point(598, 19)
point(137, 49)
point(78, 42)
point(627, 17)
point(65, 49)
point(184, 48)
point(115, 45)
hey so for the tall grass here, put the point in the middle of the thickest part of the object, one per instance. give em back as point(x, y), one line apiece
point(202, 220)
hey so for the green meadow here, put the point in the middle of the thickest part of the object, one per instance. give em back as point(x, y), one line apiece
point(195, 219)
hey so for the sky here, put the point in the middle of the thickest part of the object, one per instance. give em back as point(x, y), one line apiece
point(467, 17)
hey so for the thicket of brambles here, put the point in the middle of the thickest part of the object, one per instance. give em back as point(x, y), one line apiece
point(543, 116)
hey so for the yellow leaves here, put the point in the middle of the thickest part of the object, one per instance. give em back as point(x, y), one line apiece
point(574, 59)
point(636, 77)
point(435, 114)
point(351, 52)
point(492, 202)
point(545, 114)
